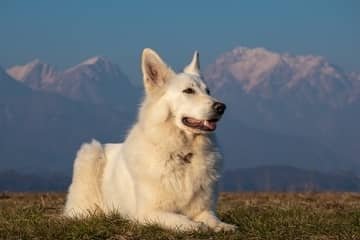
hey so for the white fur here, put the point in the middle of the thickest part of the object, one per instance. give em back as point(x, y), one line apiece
point(148, 177)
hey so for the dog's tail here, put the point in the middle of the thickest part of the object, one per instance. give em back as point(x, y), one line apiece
point(84, 197)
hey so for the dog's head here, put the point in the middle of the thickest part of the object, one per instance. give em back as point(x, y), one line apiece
point(180, 97)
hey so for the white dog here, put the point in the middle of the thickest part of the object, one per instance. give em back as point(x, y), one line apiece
point(167, 169)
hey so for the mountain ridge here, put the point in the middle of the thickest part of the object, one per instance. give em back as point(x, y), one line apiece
point(41, 131)
point(260, 72)
point(94, 80)
point(259, 127)
point(290, 95)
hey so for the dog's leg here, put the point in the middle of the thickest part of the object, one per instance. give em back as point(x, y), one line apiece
point(84, 197)
point(209, 218)
point(172, 221)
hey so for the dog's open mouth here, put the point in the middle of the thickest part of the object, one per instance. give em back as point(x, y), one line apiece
point(204, 125)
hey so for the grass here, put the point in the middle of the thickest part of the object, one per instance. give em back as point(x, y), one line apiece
point(315, 216)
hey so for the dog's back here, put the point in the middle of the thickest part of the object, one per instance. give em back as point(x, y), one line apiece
point(84, 197)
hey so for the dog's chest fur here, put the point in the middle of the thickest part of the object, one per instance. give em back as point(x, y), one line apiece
point(190, 171)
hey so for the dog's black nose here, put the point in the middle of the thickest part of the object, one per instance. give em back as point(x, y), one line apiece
point(219, 107)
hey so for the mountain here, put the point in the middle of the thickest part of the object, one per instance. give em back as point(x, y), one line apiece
point(9, 87)
point(300, 95)
point(285, 178)
point(96, 80)
point(36, 74)
point(290, 95)
point(310, 79)
point(299, 111)
point(42, 131)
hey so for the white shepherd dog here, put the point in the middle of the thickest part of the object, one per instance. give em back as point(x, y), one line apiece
point(167, 169)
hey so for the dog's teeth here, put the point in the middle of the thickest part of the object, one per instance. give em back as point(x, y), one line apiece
point(206, 123)
point(209, 124)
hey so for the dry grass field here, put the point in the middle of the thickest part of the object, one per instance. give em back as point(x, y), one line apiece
point(258, 216)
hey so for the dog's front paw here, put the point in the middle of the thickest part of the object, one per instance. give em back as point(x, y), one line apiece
point(203, 227)
point(225, 227)
point(195, 226)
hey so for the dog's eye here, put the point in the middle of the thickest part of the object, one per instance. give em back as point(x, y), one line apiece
point(207, 91)
point(189, 91)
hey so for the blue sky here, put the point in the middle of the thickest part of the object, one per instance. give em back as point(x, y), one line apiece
point(63, 33)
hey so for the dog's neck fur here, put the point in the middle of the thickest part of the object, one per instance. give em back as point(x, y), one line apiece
point(175, 139)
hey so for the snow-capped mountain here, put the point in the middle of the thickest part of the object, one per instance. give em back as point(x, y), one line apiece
point(302, 95)
point(9, 87)
point(33, 123)
point(36, 74)
point(288, 95)
point(95, 80)
point(282, 109)
point(266, 74)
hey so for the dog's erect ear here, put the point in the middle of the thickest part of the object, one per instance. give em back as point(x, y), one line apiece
point(194, 66)
point(155, 71)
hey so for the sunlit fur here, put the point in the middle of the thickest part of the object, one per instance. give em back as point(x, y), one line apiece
point(164, 172)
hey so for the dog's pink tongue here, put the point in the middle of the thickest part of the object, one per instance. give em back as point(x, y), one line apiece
point(210, 125)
